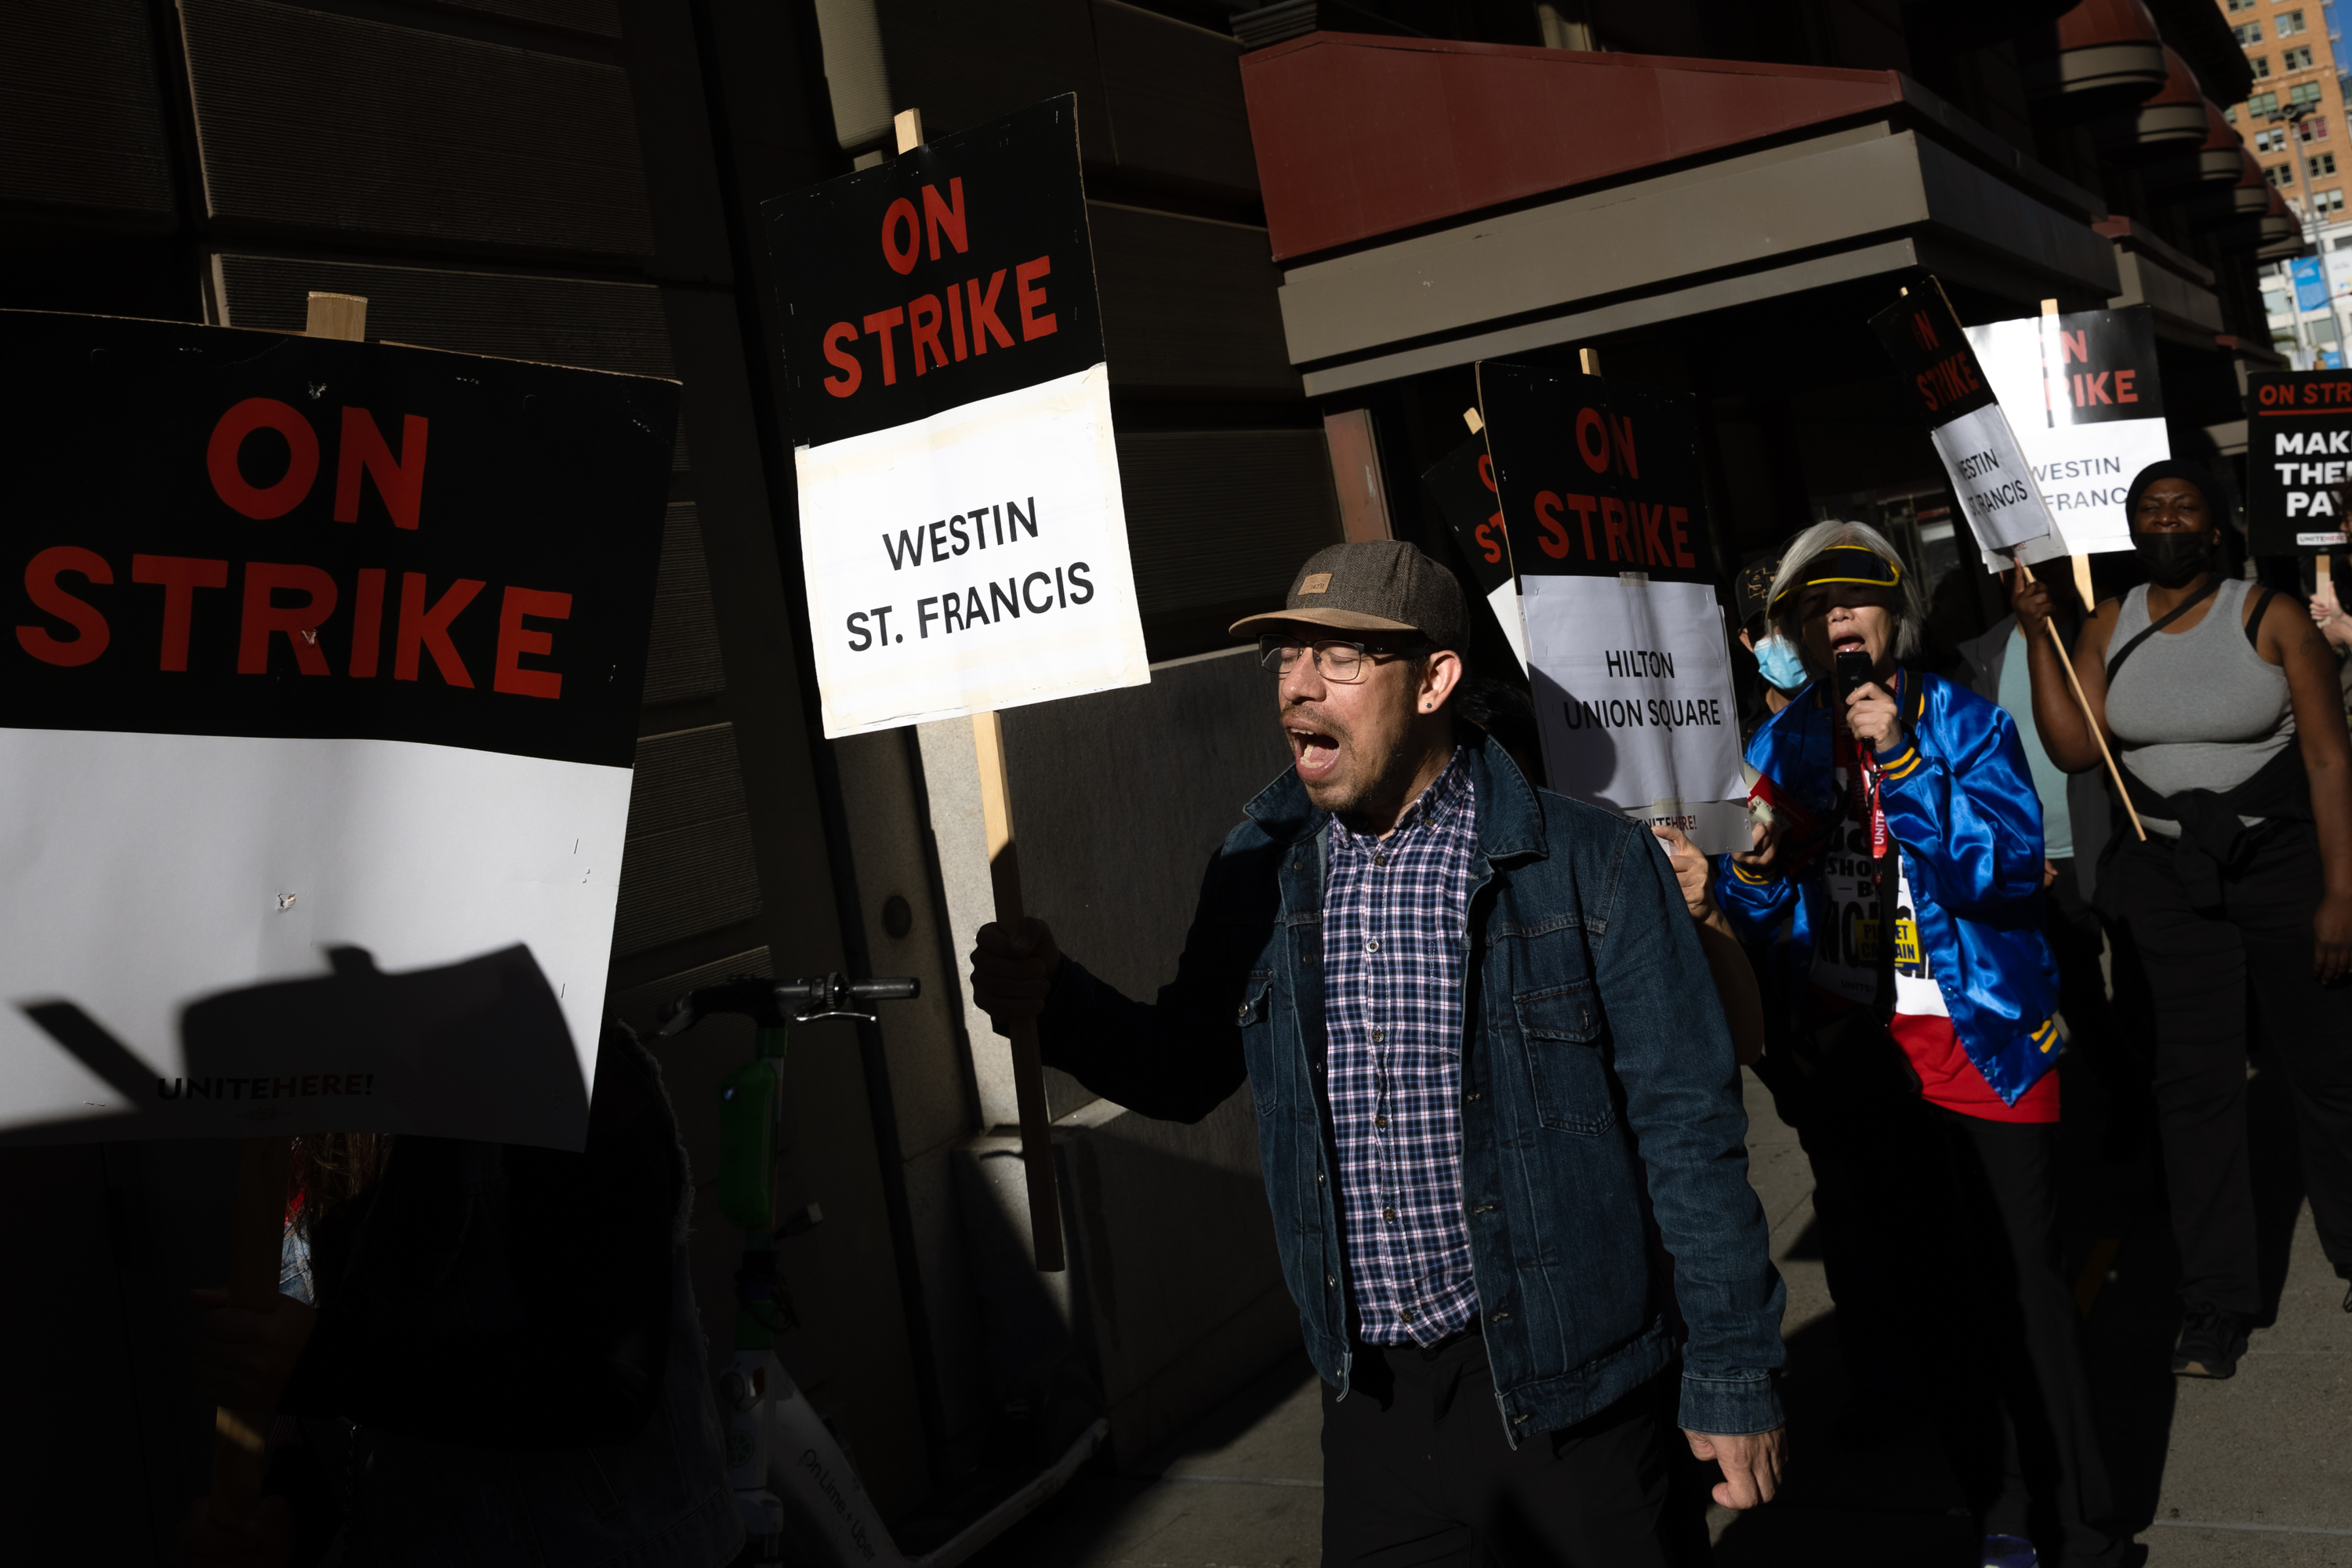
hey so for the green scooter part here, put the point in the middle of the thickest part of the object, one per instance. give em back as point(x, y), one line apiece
point(747, 1137)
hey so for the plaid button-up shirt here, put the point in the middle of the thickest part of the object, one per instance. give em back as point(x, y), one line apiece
point(1396, 921)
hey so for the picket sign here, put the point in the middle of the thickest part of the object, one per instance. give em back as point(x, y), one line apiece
point(264, 1165)
point(1005, 883)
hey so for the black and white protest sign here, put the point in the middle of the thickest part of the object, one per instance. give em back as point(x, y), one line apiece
point(1600, 490)
point(2298, 460)
point(316, 738)
point(1988, 470)
point(962, 529)
point(2086, 405)
point(1463, 485)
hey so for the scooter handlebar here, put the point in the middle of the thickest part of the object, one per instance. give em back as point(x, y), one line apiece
point(775, 1003)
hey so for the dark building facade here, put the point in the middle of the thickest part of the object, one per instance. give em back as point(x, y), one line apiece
point(1308, 221)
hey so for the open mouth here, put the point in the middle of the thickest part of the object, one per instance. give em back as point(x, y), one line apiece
point(1316, 752)
point(1849, 642)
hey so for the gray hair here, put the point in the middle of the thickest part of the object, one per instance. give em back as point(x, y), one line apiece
point(1910, 610)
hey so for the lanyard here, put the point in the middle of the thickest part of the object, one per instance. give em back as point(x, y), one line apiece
point(1863, 768)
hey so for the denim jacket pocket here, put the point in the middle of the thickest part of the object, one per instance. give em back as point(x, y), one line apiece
point(1560, 1030)
point(1254, 1017)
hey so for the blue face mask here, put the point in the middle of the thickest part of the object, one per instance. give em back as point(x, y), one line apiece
point(1782, 666)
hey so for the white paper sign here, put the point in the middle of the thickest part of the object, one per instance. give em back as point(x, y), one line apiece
point(1992, 477)
point(971, 561)
point(2065, 384)
point(1633, 700)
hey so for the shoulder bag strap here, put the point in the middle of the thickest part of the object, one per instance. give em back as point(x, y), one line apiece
point(2114, 661)
point(2254, 621)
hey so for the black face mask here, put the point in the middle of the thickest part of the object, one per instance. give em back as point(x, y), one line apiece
point(2173, 560)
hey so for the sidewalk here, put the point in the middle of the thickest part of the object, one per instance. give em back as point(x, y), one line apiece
point(2257, 1470)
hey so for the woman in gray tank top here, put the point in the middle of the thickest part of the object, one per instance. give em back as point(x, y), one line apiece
point(2223, 707)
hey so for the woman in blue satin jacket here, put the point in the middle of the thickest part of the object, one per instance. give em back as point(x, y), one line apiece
point(1900, 815)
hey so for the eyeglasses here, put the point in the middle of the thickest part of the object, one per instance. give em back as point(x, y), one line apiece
point(1343, 662)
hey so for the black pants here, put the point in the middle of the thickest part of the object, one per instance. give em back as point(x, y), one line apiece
point(2113, 1039)
point(2200, 964)
point(2016, 1403)
point(1416, 1471)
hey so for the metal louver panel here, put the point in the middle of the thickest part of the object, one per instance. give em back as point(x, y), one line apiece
point(79, 113)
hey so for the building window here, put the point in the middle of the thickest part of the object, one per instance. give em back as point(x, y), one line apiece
point(2247, 33)
point(2269, 141)
point(2297, 59)
point(2261, 105)
point(2322, 166)
point(2279, 174)
point(2304, 93)
point(2289, 23)
point(2312, 127)
point(2262, 63)
point(2242, 5)
point(2328, 203)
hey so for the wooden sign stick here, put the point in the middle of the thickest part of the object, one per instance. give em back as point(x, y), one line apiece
point(1004, 882)
point(264, 1165)
point(2073, 681)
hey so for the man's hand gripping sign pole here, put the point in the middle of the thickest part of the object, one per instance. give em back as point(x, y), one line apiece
point(963, 535)
point(1990, 474)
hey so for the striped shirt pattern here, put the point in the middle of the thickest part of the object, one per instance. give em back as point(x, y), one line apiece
point(1395, 923)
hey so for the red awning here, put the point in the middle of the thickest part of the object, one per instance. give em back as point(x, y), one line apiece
point(1359, 136)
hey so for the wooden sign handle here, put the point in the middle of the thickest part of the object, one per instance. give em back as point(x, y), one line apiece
point(264, 1165)
point(2073, 681)
point(1028, 1063)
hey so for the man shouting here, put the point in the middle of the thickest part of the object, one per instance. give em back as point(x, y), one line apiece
point(1498, 1111)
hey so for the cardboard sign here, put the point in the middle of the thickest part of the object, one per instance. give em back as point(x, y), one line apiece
point(2086, 405)
point(2298, 460)
point(1601, 494)
point(316, 736)
point(1461, 483)
point(962, 534)
point(1988, 470)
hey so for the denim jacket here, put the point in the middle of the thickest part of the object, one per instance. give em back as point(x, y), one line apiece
point(1600, 1101)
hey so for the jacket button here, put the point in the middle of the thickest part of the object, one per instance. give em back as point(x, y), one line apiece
point(1331, 1281)
point(1476, 1094)
point(1241, 1014)
point(1318, 1178)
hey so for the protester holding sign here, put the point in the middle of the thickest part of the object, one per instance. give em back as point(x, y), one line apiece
point(1483, 1070)
point(2225, 712)
point(511, 1336)
point(1903, 821)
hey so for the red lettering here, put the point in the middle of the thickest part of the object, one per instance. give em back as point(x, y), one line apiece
point(1033, 325)
point(1615, 528)
point(1489, 545)
point(955, 320)
point(1621, 441)
point(879, 323)
point(1487, 473)
point(985, 324)
point(367, 623)
point(515, 640)
point(1593, 440)
point(2074, 348)
point(422, 628)
point(1547, 517)
point(851, 373)
point(944, 217)
point(179, 576)
point(300, 623)
point(1675, 518)
point(399, 480)
point(1653, 546)
point(2098, 387)
point(902, 262)
point(90, 633)
point(1582, 505)
point(923, 320)
point(2124, 393)
point(228, 439)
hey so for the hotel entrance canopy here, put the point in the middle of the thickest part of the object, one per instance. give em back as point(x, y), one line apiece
point(1435, 202)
